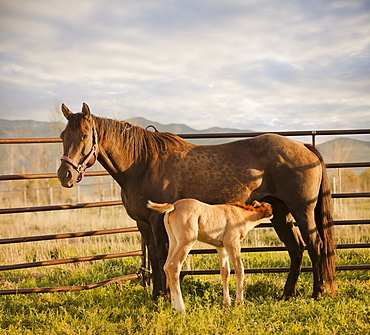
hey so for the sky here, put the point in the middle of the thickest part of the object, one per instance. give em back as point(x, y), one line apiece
point(262, 65)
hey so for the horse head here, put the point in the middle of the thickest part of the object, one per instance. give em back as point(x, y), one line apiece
point(79, 146)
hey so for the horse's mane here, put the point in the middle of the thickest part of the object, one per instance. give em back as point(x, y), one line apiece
point(248, 207)
point(139, 143)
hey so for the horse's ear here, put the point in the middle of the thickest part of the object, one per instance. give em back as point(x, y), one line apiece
point(66, 112)
point(86, 111)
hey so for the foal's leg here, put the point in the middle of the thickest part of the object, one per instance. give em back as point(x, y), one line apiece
point(225, 274)
point(172, 246)
point(233, 249)
point(172, 268)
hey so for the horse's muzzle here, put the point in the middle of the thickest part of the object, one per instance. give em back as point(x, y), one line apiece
point(67, 175)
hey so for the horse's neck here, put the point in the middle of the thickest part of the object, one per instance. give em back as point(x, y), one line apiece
point(124, 148)
point(110, 151)
point(108, 161)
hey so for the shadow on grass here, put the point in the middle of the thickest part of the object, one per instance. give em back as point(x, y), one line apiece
point(262, 289)
point(210, 291)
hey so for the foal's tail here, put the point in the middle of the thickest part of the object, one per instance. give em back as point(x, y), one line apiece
point(161, 208)
point(325, 226)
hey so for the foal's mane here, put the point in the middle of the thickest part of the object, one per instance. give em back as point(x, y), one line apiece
point(247, 207)
point(138, 142)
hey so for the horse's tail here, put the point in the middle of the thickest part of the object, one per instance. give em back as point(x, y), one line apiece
point(161, 208)
point(325, 225)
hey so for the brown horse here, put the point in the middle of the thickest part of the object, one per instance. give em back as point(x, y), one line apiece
point(289, 175)
point(223, 226)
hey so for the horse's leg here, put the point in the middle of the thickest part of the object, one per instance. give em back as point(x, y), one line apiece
point(225, 274)
point(161, 242)
point(283, 224)
point(307, 225)
point(148, 236)
point(233, 249)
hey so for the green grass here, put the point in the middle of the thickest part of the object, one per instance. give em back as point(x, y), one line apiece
point(127, 308)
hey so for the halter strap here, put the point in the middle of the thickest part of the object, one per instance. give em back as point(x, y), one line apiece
point(81, 167)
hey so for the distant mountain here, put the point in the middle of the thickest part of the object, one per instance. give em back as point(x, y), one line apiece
point(29, 128)
point(178, 128)
point(341, 149)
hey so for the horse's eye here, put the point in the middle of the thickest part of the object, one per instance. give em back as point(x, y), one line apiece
point(84, 137)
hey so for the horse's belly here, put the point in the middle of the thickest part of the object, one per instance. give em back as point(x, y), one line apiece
point(220, 183)
point(214, 192)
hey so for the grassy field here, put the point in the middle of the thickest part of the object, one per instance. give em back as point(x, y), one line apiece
point(127, 308)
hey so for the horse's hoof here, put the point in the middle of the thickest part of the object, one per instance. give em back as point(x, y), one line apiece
point(317, 296)
point(286, 297)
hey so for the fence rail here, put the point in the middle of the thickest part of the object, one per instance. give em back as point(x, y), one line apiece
point(68, 235)
point(138, 275)
point(70, 260)
point(311, 133)
point(70, 288)
point(59, 207)
point(48, 175)
point(142, 253)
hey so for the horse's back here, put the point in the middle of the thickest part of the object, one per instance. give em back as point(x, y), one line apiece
point(256, 152)
point(268, 145)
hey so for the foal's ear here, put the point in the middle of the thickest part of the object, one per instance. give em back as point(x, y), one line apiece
point(256, 204)
point(86, 111)
point(66, 112)
point(268, 210)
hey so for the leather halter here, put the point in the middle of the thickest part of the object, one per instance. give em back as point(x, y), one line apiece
point(81, 167)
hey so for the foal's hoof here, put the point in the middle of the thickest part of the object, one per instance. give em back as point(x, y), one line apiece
point(181, 311)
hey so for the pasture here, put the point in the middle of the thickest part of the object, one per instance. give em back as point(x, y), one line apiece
point(127, 308)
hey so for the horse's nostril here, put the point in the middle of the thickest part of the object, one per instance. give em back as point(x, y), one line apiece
point(68, 175)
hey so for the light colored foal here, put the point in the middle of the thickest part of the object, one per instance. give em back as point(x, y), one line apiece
point(223, 226)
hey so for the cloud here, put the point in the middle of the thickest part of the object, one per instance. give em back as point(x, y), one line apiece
point(253, 65)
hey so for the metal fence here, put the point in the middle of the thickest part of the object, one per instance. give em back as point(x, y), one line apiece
point(143, 273)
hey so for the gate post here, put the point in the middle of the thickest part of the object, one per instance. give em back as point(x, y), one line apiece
point(145, 265)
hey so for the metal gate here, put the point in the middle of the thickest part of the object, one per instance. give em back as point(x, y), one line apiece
point(144, 270)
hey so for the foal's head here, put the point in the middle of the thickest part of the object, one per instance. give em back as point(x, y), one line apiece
point(262, 209)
